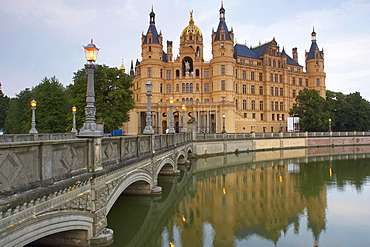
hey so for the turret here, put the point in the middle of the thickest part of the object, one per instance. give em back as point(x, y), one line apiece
point(295, 54)
point(169, 51)
point(315, 66)
point(151, 47)
point(132, 71)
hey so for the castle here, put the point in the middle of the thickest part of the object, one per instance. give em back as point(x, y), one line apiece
point(241, 89)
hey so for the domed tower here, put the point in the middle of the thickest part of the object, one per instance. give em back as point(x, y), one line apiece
point(191, 46)
point(315, 66)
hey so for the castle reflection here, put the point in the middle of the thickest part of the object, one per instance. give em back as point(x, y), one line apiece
point(261, 198)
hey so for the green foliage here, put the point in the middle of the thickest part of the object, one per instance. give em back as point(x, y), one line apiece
point(4, 104)
point(52, 106)
point(113, 97)
point(348, 112)
point(18, 119)
point(311, 108)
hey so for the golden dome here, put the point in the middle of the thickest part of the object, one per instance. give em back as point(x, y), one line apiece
point(191, 28)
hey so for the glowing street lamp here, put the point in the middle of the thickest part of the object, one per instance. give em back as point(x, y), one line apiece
point(148, 128)
point(33, 129)
point(74, 130)
point(171, 130)
point(183, 107)
point(330, 124)
point(223, 123)
point(90, 128)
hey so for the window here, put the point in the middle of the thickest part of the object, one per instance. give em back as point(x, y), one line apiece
point(300, 81)
point(281, 92)
point(272, 105)
point(252, 89)
point(281, 106)
point(168, 74)
point(187, 88)
point(206, 73)
point(197, 87)
point(253, 104)
point(276, 78)
point(223, 69)
point(244, 105)
point(271, 77)
point(177, 88)
point(206, 87)
point(236, 104)
point(149, 72)
point(168, 88)
point(318, 82)
point(197, 73)
point(276, 91)
point(260, 76)
point(294, 93)
point(261, 90)
point(183, 88)
point(161, 73)
point(252, 76)
point(245, 115)
point(160, 88)
point(261, 116)
point(273, 117)
point(272, 91)
point(276, 106)
point(244, 89)
point(236, 88)
point(244, 75)
point(253, 115)
point(306, 82)
point(261, 105)
point(281, 78)
point(191, 87)
point(223, 86)
point(293, 80)
point(177, 73)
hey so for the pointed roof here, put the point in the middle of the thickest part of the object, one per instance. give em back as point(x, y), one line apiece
point(152, 29)
point(222, 26)
point(314, 47)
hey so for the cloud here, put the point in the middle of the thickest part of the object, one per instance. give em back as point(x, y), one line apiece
point(55, 13)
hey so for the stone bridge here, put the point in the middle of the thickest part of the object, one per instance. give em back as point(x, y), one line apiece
point(61, 191)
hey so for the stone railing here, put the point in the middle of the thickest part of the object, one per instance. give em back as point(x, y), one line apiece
point(233, 136)
point(34, 164)
point(36, 137)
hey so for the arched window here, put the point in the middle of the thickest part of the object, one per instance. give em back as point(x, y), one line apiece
point(183, 88)
point(261, 105)
point(177, 73)
point(197, 73)
point(191, 87)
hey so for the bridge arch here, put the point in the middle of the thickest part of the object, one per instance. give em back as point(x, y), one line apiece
point(125, 183)
point(62, 221)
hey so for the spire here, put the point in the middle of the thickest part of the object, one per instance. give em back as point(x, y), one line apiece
point(132, 71)
point(152, 17)
point(191, 21)
point(222, 11)
point(313, 35)
point(222, 32)
point(123, 66)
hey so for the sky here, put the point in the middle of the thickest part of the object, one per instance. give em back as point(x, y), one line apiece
point(43, 38)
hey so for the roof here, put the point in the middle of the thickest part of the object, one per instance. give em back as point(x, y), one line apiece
point(257, 52)
point(152, 29)
point(311, 53)
point(222, 25)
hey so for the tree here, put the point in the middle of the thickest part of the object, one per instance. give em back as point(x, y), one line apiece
point(312, 110)
point(18, 114)
point(4, 104)
point(52, 106)
point(113, 97)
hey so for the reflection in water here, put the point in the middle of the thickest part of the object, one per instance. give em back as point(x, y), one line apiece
point(246, 200)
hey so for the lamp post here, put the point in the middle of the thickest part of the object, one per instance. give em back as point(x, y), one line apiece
point(90, 128)
point(74, 130)
point(281, 128)
point(329, 124)
point(183, 107)
point(33, 129)
point(223, 123)
point(148, 128)
point(171, 129)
